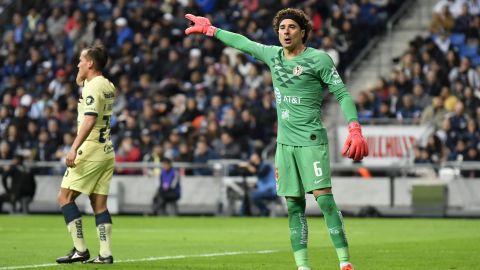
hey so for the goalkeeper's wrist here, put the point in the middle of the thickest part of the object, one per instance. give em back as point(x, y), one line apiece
point(354, 126)
point(211, 30)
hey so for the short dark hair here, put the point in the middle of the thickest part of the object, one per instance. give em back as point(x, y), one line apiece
point(98, 54)
point(298, 16)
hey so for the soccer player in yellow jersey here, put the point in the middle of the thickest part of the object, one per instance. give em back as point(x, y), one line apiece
point(91, 158)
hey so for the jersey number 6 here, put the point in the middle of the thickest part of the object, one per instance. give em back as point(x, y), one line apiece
point(317, 169)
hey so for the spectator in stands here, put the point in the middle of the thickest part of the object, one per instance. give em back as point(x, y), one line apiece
point(201, 155)
point(5, 119)
point(155, 156)
point(472, 155)
point(458, 120)
point(435, 149)
point(228, 148)
point(395, 97)
point(55, 23)
point(265, 188)
point(472, 134)
point(449, 100)
point(421, 156)
point(146, 142)
point(459, 152)
point(420, 98)
point(383, 112)
point(447, 134)
point(462, 21)
point(471, 101)
point(432, 84)
point(127, 152)
point(124, 32)
point(465, 73)
point(434, 113)
point(364, 106)
point(329, 48)
point(442, 40)
point(168, 191)
point(408, 111)
point(5, 150)
point(442, 21)
point(19, 185)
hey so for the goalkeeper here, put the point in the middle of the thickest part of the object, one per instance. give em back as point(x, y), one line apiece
point(300, 74)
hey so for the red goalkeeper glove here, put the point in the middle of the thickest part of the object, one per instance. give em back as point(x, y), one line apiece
point(200, 25)
point(355, 146)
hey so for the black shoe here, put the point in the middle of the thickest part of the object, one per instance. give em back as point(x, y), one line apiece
point(74, 256)
point(101, 260)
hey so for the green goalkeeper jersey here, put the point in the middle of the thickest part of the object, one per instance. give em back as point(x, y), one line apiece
point(298, 84)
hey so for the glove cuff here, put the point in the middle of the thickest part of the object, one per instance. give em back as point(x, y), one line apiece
point(211, 30)
point(354, 126)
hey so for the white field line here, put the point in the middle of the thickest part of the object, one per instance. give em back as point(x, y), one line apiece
point(232, 253)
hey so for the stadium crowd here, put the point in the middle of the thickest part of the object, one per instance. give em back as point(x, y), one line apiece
point(436, 81)
point(186, 98)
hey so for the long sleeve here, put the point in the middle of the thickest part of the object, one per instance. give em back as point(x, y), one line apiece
point(242, 43)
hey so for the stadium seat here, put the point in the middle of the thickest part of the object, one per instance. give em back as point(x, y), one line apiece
point(457, 39)
point(475, 60)
point(467, 51)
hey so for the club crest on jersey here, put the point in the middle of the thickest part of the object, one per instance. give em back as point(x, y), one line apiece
point(89, 100)
point(297, 70)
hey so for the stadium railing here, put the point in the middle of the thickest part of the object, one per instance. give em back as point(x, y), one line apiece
point(404, 8)
point(389, 193)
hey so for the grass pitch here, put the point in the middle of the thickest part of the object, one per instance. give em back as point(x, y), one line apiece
point(243, 243)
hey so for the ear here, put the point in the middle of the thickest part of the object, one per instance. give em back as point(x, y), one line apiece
point(90, 64)
point(303, 33)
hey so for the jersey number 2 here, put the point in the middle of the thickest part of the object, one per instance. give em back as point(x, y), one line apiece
point(102, 138)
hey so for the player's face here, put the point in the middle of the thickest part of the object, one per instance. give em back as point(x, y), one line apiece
point(83, 64)
point(290, 34)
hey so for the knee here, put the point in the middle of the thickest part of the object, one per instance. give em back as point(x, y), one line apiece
point(62, 198)
point(327, 204)
point(296, 206)
point(98, 207)
point(93, 204)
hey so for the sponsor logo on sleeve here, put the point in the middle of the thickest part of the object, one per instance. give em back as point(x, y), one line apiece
point(278, 96)
point(335, 77)
point(89, 100)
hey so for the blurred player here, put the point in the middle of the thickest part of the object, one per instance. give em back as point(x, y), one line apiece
point(302, 160)
point(91, 158)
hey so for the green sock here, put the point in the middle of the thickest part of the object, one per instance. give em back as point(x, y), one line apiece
point(298, 231)
point(334, 220)
point(76, 231)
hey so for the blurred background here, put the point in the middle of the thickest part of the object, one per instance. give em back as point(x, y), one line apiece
point(206, 111)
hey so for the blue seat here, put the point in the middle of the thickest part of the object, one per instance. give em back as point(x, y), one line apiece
point(475, 61)
point(468, 51)
point(457, 39)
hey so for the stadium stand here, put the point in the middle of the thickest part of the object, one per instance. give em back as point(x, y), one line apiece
point(172, 90)
point(442, 72)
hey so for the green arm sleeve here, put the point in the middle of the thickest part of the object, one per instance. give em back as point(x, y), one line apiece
point(346, 104)
point(330, 77)
point(243, 44)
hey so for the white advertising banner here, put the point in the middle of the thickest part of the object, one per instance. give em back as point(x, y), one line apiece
point(386, 144)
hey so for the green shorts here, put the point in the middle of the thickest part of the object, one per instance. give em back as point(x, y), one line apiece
point(302, 169)
point(89, 176)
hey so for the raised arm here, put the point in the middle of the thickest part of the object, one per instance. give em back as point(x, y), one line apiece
point(202, 25)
